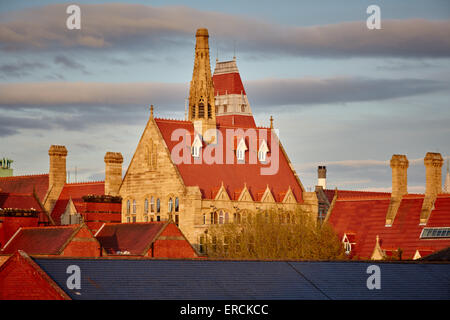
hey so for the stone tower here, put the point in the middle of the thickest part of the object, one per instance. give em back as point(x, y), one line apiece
point(201, 93)
point(113, 173)
point(399, 165)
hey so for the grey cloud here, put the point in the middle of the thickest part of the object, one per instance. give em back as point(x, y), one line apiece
point(19, 69)
point(123, 25)
point(170, 96)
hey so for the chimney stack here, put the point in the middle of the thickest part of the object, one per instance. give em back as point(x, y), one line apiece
point(57, 172)
point(113, 173)
point(433, 168)
point(322, 177)
point(399, 165)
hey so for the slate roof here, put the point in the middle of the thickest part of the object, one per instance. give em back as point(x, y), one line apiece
point(246, 280)
point(18, 201)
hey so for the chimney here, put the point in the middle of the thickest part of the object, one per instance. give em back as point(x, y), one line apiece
point(433, 168)
point(56, 175)
point(57, 172)
point(113, 173)
point(399, 165)
point(322, 176)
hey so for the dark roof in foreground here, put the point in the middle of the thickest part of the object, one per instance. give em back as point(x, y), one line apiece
point(441, 255)
point(239, 280)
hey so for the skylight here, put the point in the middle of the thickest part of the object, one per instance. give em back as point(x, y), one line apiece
point(428, 233)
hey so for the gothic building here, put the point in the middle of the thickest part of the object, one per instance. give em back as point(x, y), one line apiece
point(214, 167)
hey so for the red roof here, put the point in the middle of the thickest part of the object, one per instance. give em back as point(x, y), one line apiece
point(134, 238)
point(234, 176)
point(240, 121)
point(366, 218)
point(230, 83)
point(26, 184)
point(75, 191)
point(40, 240)
point(18, 201)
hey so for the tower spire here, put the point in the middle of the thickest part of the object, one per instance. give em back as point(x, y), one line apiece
point(201, 92)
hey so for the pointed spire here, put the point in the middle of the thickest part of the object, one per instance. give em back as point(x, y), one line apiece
point(271, 122)
point(151, 111)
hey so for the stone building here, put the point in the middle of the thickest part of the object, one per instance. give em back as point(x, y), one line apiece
point(215, 167)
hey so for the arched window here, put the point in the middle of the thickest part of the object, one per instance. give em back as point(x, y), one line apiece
point(134, 206)
point(237, 217)
point(209, 111)
point(202, 244)
point(177, 204)
point(226, 217)
point(170, 207)
point(128, 207)
point(152, 204)
point(204, 218)
point(221, 217)
point(224, 108)
point(243, 108)
point(158, 206)
point(201, 110)
point(146, 206)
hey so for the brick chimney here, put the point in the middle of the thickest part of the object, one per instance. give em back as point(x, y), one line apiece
point(399, 165)
point(433, 172)
point(113, 173)
point(56, 175)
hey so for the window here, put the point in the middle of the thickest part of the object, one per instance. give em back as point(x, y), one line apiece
point(177, 220)
point(226, 217)
point(145, 218)
point(152, 204)
point(177, 204)
point(237, 217)
point(428, 233)
point(209, 111)
point(201, 110)
point(204, 218)
point(146, 206)
point(243, 108)
point(202, 244)
point(134, 219)
point(262, 152)
point(196, 146)
point(128, 207)
point(158, 206)
point(128, 219)
point(224, 108)
point(348, 247)
point(221, 217)
point(240, 150)
point(134, 206)
point(170, 207)
point(158, 218)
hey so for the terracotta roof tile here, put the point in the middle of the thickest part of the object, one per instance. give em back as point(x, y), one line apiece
point(26, 184)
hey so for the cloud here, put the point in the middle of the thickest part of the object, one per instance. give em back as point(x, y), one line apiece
point(106, 26)
point(19, 69)
point(170, 96)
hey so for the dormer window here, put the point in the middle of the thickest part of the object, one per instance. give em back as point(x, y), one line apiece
point(348, 240)
point(240, 150)
point(196, 147)
point(262, 152)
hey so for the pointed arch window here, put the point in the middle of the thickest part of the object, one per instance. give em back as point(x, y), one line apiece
point(134, 206)
point(177, 204)
point(128, 207)
point(152, 204)
point(170, 206)
point(209, 111)
point(201, 110)
point(146, 206)
point(158, 205)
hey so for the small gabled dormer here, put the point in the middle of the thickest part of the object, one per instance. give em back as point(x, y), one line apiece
point(263, 150)
point(240, 150)
point(349, 241)
point(196, 147)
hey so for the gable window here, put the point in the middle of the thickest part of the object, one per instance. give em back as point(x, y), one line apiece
point(348, 240)
point(177, 204)
point(128, 207)
point(170, 207)
point(240, 150)
point(262, 152)
point(146, 206)
point(221, 217)
point(158, 206)
point(134, 206)
point(196, 147)
point(348, 247)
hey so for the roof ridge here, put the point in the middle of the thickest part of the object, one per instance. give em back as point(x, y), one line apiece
point(24, 176)
point(85, 182)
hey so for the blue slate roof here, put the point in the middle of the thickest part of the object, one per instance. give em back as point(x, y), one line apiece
point(247, 280)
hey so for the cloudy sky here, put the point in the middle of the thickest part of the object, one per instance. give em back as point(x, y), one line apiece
point(341, 95)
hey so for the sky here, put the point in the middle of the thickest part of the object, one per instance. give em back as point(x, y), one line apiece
point(341, 95)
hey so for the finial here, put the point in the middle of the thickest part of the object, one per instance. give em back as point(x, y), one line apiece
point(271, 122)
point(151, 111)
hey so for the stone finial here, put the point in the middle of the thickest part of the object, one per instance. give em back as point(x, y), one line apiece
point(271, 122)
point(151, 111)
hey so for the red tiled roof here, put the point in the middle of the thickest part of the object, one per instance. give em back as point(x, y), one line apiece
point(75, 191)
point(18, 201)
point(132, 237)
point(26, 184)
point(210, 176)
point(366, 217)
point(240, 121)
point(40, 240)
point(230, 83)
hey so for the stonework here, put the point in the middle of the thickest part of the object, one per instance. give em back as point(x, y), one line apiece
point(113, 173)
point(56, 175)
